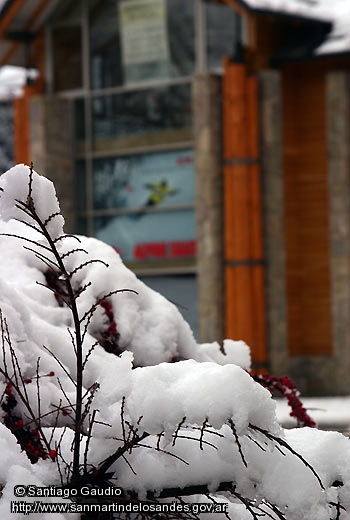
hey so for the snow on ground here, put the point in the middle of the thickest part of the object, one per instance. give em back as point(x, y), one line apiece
point(330, 413)
point(170, 402)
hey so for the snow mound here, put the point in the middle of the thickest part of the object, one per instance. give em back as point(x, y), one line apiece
point(199, 421)
point(16, 185)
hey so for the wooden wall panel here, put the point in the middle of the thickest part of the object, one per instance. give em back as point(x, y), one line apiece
point(306, 202)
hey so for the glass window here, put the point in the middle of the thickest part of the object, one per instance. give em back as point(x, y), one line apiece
point(152, 199)
point(82, 226)
point(145, 42)
point(67, 51)
point(141, 118)
point(133, 41)
point(80, 185)
point(181, 37)
point(105, 60)
point(223, 34)
point(80, 125)
point(182, 291)
point(145, 181)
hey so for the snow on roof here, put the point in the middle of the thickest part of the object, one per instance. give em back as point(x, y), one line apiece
point(12, 80)
point(339, 37)
point(336, 11)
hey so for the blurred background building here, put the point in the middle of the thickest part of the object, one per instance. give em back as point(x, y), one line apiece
point(208, 142)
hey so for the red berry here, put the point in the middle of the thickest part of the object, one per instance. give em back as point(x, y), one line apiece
point(29, 380)
point(51, 374)
point(53, 454)
point(8, 388)
point(113, 328)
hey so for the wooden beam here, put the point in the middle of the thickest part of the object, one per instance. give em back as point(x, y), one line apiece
point(8, 55)
point(9, 16)
point(14, 47)
point(237, 6)
point(36, 13)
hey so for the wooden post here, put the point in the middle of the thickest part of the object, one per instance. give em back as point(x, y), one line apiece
point(22, 122)
point(244, 269)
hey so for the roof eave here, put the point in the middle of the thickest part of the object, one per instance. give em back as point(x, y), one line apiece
point(279, 14)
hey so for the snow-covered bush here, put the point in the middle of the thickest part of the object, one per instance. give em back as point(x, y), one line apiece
point(104, 387)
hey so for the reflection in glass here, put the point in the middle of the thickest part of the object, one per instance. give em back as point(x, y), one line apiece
point(181, 37)
point(82, 226)
point(223, 34)
point(79, 124)
point(105, 45)
point(148, 41)
point(80, 185)
point(144, 181)
point(146, 117)
point(149, 236)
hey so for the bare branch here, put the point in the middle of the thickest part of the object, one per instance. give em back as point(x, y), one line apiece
point(233, 428)
point(91, 349)
point(178, 429)
point(87, 445)
point(51, 217)
point(73, 251)
point(26, 240)
point(283, 443)
point(60, 364)
point(84, 264)
point(190, 490)
point(104, 297)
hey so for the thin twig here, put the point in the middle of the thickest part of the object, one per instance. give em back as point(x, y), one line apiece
point(283, 443)
point(60, 363)
point(233, 428)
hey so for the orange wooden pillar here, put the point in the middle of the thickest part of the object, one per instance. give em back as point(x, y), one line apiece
point(22, 122)
point(244, 264)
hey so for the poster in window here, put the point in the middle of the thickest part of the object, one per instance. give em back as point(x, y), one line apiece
point(155, 193)
point(142, 181)
point(144, 39)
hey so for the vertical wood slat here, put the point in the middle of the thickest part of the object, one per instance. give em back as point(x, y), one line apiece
point(307, 212)
point(244, 272)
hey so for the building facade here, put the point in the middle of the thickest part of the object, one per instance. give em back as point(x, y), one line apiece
point(208, 142)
